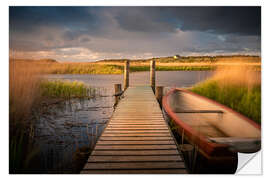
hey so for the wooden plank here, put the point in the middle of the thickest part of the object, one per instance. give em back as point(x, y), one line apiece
point(134, 147)
point(142, 113)
point(136, 125)
point(149, 115)
point(137, 128)
point(143, 117)
point(136, 142)
point(138, 131)
point(137, 121)
point(135, 153)
point(137, 171)
point(102, 138)
point(147, 119)
point(135, 165)
point(133, 158)
point(136, 135)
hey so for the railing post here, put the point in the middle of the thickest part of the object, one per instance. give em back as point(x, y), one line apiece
point(126, 75)
point(159, 94)
point(117, 90)
point(152, 74)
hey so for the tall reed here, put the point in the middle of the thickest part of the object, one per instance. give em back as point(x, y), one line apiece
point(23, 94)
point(24, 84)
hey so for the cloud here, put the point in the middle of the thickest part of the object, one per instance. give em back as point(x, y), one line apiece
point(91, 33)
point(220, 20)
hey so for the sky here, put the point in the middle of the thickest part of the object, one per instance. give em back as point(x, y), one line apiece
point(83, 34)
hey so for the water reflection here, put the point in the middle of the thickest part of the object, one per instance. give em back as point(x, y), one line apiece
point(63, 128)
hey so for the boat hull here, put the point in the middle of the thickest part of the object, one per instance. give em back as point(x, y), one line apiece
point(212, 157)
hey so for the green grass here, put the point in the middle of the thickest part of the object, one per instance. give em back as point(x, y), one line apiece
point(238, 97)
point(85, 69)
point(66, 89)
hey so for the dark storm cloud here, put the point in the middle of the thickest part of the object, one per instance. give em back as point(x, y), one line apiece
point(144, 19)
point(30, 18)
point(159, 31)
point(238, 20)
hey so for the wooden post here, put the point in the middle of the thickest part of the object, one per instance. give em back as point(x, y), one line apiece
point(126, 75)
point(152, 74)
point(159, 94)
point(188, 154)
point(118, 90)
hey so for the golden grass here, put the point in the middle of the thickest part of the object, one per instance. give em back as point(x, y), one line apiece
point(116, 66)
point(70, 67)
point(23, 91)
point(237, 75)
point(237, 87)
point(189, 65)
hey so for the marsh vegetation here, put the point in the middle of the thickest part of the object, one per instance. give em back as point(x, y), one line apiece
point(237, 87)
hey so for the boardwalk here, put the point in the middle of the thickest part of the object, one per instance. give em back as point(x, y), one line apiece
point(137, 139)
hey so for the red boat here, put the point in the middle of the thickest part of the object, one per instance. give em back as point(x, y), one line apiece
point(217, 132)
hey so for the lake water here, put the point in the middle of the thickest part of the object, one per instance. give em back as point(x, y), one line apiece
point(63, 128)
point(163, 78)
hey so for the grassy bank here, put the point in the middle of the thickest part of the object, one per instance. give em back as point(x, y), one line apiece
point(237, 88)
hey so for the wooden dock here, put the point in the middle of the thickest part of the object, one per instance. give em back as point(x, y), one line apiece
point(137, 139)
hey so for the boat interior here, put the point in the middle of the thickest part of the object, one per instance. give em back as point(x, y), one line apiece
point(213, 121)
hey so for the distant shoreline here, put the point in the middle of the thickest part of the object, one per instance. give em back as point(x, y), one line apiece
point(200, 63)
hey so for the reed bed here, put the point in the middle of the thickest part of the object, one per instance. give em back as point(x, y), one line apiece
point(27, 91)
point(117, 67)
point(237, 87)
point(66, 89)
point(24, 84)
point(46, 67)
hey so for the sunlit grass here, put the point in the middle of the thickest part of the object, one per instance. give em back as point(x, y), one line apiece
point(24, 94)
point(83, 68)
point(172, 68)
point(46, 67)
point(117, 66)
point(66, 89)
point(237, 88)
